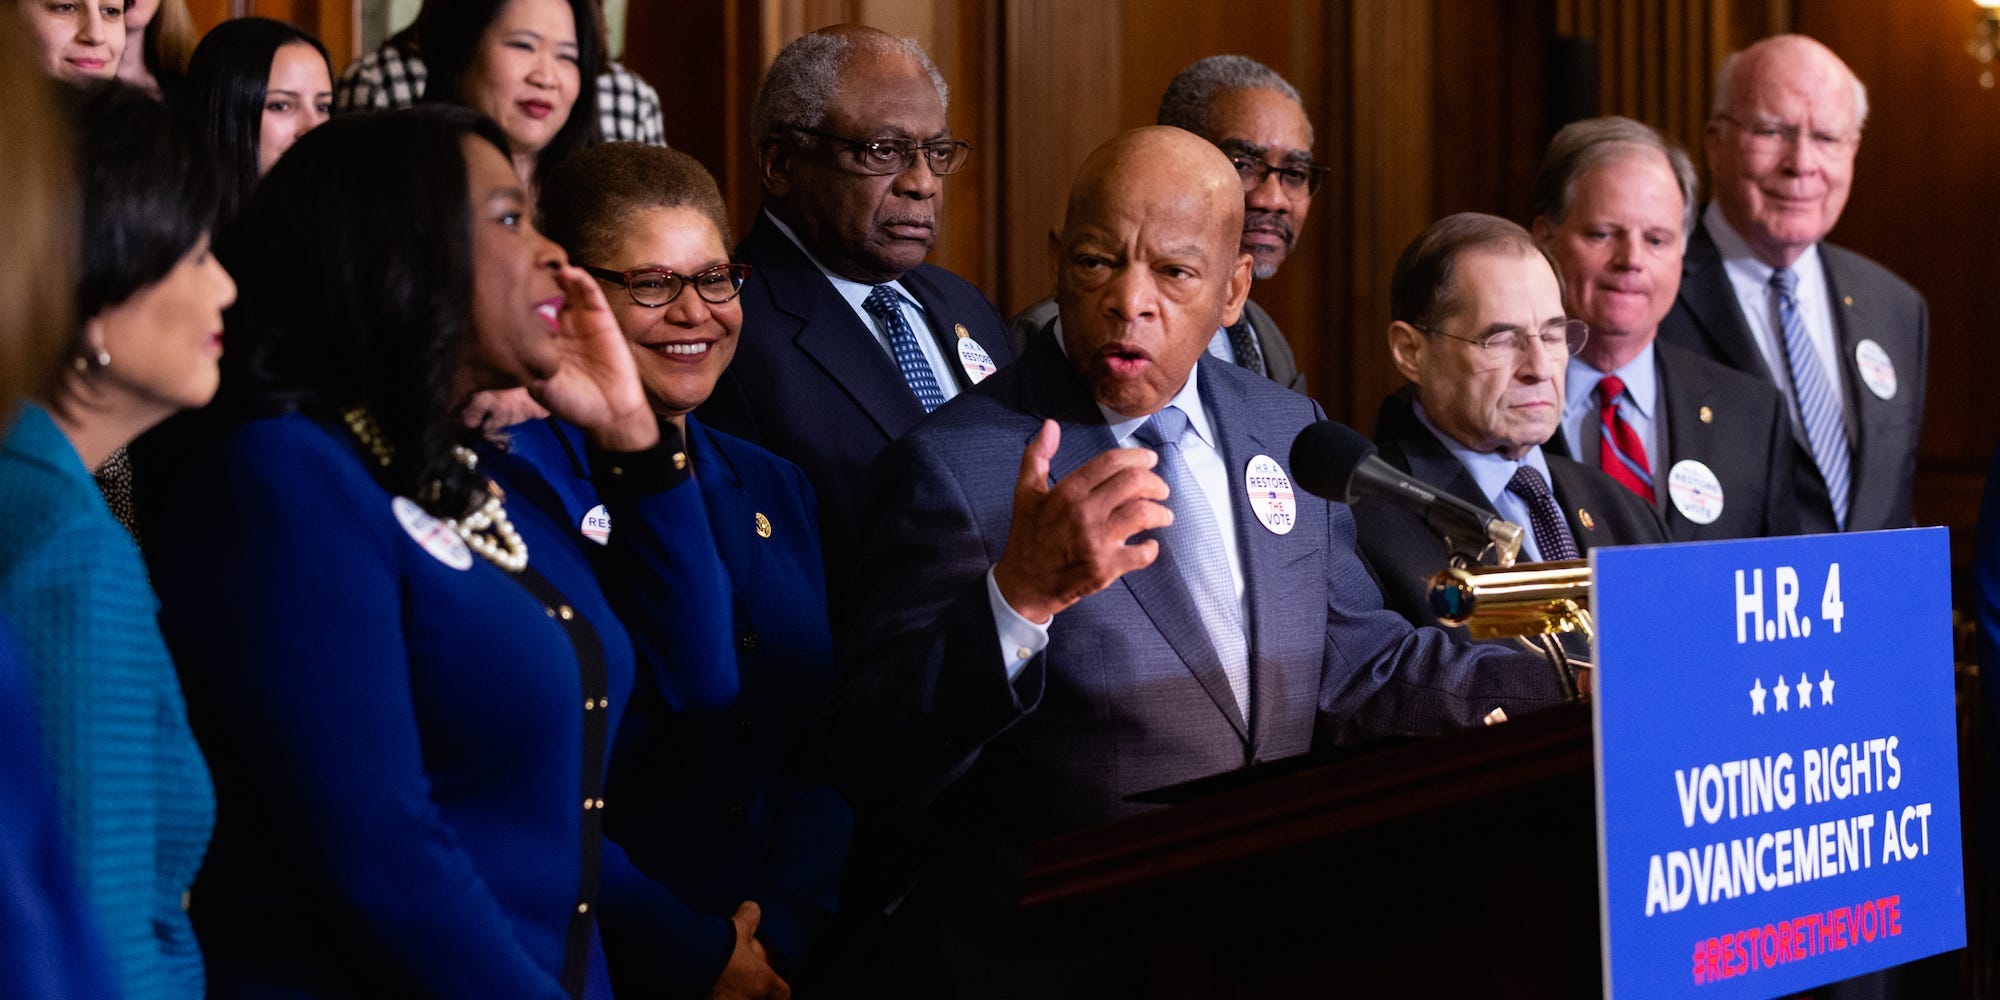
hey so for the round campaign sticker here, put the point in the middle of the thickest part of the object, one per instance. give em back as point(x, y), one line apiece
point(1878, 373)
point(1696, 493)
point(596, 525)
point(434, 535)
point(978, 364)
point(1271, 494)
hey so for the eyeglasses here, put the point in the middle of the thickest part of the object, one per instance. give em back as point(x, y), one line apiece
point(1773, 137)
point(1297, 182)
point(1565, 339)
point(654, 287)
point(880, 157)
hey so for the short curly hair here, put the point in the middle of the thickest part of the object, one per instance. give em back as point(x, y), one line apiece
point(1186, 102)
point(586, 201)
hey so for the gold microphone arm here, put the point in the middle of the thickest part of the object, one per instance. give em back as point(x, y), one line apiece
point(1499, 601)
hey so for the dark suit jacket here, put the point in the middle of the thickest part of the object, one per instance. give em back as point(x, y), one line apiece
point(1129, 694)
point(1404, 551)
point(1869, 303)
point(1745, 439)
point(1278, 362)
point(812, 384)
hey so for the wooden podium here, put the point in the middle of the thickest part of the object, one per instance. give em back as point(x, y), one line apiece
point(1460, 865)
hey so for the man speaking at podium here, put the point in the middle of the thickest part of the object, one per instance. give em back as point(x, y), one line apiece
point(1090, 576)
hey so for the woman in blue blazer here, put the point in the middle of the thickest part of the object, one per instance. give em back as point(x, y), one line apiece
point(753, 840)
point(135, 796)
point(404, 664)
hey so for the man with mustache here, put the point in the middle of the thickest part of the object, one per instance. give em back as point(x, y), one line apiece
point(1256, 118)
point(1844, 340)
point(1091, 577)
point(1481, 333)
point(1707, 445)
point(849, 337)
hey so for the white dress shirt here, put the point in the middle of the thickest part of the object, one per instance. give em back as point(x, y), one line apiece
point(1021, 639)
point(1751, 278)
point(856, 293)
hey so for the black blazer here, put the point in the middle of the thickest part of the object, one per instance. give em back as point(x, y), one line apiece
point(1404, 552)
point(811, 383)
point(1737, 425)
point(1869, 303)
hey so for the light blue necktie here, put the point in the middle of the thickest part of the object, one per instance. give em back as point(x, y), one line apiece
point(1819, 404)
point(1193, 546)
point(887, 308)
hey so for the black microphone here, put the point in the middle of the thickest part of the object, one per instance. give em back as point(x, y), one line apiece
point(1332, 460)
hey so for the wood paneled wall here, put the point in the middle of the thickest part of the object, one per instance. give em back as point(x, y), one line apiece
point(336, 23)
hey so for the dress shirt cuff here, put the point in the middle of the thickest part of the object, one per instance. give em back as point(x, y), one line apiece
point(1020, 639)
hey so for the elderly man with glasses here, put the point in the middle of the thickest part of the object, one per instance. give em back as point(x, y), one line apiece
point(1255, 117)
point(849, 337)
point(1844, 340)
point(1480, 331)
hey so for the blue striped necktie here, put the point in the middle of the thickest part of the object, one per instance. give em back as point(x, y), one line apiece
point(1193, 546)
point(1819, 402)
point(887, 308)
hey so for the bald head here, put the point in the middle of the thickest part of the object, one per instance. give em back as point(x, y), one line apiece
point(1150, 264)
point(1781, 144)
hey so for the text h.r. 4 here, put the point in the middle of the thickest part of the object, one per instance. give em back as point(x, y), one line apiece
point(1757, 621)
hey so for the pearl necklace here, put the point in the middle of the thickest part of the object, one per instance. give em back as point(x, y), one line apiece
point(487, 530)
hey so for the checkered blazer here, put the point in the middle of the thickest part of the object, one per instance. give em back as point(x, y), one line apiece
point(628, 107)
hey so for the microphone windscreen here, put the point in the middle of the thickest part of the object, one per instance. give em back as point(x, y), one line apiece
point(1324, 457)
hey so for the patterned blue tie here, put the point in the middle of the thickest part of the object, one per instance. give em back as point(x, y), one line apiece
point(1819, 404)
point(1552, 538)
point(887, 308)
point(1193, 546)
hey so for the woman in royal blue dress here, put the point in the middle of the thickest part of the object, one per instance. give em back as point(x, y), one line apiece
point(398, 654)
point(754, 840)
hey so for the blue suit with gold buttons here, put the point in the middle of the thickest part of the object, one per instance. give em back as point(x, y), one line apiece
point(724, 806)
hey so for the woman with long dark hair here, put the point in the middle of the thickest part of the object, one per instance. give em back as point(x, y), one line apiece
point(254, 86)
point(136, 799)
point(530, 65)
point(397, 647)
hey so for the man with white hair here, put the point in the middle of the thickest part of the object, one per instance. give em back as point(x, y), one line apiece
point(1843, 339)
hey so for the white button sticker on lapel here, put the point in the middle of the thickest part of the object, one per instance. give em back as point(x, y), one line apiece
point(1878, 373)
point(434, 535)
point(1271, 494)
point(978, 364)
point(1695, 491)
point(596, 525)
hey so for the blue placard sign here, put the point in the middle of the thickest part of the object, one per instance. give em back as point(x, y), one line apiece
point(1777, 762)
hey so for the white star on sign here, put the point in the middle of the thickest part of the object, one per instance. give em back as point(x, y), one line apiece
point(1826, 688)
point(1805, 692)
point(1757, 697)
point(1784, 693)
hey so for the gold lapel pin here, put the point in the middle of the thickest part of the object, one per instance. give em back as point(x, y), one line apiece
point(763, 525)
point(1847, 300)
point(963, 333)
point(1707, 415)
point(1589, 523)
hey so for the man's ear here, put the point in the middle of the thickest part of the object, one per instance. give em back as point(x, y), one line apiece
point(1542, 230)
point(1407, 345)
point(774, 168)
point(1239, 290)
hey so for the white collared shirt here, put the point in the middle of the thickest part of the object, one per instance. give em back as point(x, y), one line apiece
point(1583, 424)
point(856, 293)
point(1751, 279)
point(1492, 471)
point(1201, 448)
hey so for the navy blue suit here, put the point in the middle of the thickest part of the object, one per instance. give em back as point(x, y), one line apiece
point(1128, 696)
point(724, 806)
point(405, 740)
point(811, 382)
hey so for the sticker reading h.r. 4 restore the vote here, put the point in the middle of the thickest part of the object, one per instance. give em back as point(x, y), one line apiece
point(977, 363)
point(1271, 496)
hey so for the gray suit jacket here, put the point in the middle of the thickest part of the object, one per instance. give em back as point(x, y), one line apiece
point(1278, 361)
point(933, 740)
point(1869, 303)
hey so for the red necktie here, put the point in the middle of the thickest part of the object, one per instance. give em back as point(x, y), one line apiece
point(1619, 452)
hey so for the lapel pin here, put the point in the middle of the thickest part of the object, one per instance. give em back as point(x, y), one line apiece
point(1707, 415)
point(763, 525)
point(1589, 523)
point(1847, 300)
point(959, 328)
